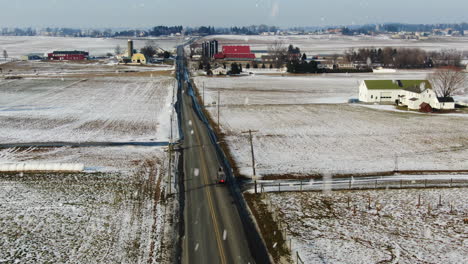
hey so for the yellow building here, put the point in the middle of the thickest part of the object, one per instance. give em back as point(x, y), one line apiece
point(138, 58)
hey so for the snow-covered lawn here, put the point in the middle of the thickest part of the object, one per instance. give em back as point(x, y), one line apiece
point(100, 109)
point(394, 229)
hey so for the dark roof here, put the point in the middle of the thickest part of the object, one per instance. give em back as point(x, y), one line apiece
point(446, 99)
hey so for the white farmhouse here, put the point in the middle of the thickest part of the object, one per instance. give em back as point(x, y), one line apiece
point(219, 71)
point(411, 93)
point(414, 96)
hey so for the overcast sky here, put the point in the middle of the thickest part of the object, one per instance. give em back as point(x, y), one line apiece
point(146, 13)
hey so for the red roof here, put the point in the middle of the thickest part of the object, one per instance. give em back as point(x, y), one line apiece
point(235, 52)
point(236, 49)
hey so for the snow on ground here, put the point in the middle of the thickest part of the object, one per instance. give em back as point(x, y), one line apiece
point(331, 44)
point(82, 218)
point(95, 159)
point(64, 69)
point(394, 230)
point(79, 110)
point(19, 46)
point(306, 127)
point(293, 89)
point(309, 139)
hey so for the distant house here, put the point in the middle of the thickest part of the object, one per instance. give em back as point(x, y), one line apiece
point(219, 71)
point(33, 56)
point(414, 94)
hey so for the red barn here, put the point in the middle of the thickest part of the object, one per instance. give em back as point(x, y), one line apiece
point(235, 52)
point(68, 55)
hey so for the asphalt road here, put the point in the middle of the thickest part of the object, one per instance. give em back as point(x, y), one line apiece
point(213, 231)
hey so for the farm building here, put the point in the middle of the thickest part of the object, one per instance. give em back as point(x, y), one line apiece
point(235, 52)
point(219, 71)
point(377, 91)
point(411, 93)
point(446, 103)
point(414, 96)
point(33, 56)
point(68, 55)
point(139, 58)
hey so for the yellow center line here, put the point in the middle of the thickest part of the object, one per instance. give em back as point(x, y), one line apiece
point(204, 171)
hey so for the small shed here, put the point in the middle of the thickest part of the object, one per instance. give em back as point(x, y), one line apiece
point(446, 103)
point(425, 108)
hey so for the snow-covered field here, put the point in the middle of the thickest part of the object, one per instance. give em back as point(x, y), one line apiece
point(70, 69)
point(393, 230)
point(331, 44)
point(83, 218)
point(79, 110)
point(305, 127)
point(19, 46)
point(310, 139)
point(287, 89)
point(114, 211)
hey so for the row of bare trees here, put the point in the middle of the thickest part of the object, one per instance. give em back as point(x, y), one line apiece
point(404, 58)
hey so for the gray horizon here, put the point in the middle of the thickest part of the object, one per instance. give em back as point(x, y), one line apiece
point(282, 13)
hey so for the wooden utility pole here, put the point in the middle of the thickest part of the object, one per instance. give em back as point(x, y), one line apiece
point(219, 101)
point(253, 157)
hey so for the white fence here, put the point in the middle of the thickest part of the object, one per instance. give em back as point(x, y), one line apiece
point(41, 167)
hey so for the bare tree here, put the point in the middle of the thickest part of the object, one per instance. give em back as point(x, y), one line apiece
point(117, 50)
point(150, 49)
point(5, 54)
point(448, 81)
point(279, 53)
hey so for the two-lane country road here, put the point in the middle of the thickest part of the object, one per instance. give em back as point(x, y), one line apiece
point(213, 231)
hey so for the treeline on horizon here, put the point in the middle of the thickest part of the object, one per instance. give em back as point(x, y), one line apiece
point(154, 32)
point(397, 27)
point(235, 30)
